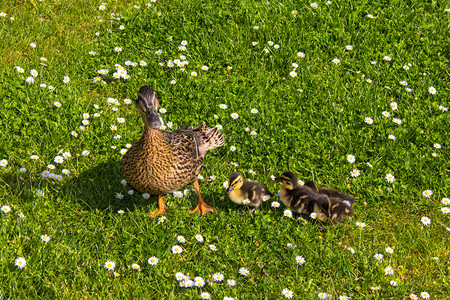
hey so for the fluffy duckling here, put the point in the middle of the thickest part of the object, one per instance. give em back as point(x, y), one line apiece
point(248, 192)
point(309, 199)
point(331, 193)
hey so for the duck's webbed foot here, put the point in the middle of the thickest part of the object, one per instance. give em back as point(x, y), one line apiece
point(160, 209)
point(202, 208)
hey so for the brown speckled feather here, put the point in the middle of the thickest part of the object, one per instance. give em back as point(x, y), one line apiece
point(162, 162)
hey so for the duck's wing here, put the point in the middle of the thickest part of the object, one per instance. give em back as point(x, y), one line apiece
point(207, 138)
point(186, 158)
point(183, 143)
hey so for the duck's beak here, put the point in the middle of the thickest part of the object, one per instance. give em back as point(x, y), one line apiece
point(153, 119)
point(278, 179)
point(229, 189)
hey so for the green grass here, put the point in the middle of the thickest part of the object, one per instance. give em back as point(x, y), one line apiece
point(307, 124)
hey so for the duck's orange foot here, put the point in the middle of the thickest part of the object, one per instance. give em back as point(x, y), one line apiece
point(156, 212)
point(160, 209)
point(202, 209)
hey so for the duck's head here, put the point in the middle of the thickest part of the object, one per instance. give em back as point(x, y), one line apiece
point(289, 180)
point(235, 181)
point(147, 104)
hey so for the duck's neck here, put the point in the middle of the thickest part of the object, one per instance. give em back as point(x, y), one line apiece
point(151, 133)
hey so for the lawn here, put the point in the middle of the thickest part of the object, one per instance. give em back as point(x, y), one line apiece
point(352, 95)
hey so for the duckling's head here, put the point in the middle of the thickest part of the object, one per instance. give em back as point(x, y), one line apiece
point(235, 181)
point(289, 180)
point(147, 104)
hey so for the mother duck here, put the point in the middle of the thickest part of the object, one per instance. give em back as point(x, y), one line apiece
point(161, 162)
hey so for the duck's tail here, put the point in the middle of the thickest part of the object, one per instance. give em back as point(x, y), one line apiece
point(207, 138)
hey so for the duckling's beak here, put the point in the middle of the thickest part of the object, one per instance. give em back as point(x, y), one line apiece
point(278, 179)
point(229, 189)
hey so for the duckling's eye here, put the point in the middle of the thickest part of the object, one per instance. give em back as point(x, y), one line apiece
point(234, 183)
point(284, 180)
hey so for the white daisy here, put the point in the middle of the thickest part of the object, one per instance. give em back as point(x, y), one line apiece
point(231, 282)
point(390, 178)
point(275, 204)
point(360, 224)
point(388, 271)
point(5, 209)
point(218, 277)
point(244, 271)
point(378, 256)
point(432, 90)
point(177, 249)
point(355, 173)
point(152, 261)
point(110, 265)
point(45, 238)
point(336, 61)
point(199, 238)
point(179, 276)
point(287, 293)
point(426, 221)
point(351, 158)
point(287, 213)
point(300, 259)
point(427, 193)
point(20, 262)
point(3, 163)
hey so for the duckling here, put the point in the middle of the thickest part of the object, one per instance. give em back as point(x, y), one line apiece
point(340, 210)
point(161, 162)
point(331, 193)
point(306, 199)
point(240, 192)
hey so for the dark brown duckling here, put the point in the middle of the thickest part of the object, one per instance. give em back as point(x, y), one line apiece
point(331, 193)
point(308, 199)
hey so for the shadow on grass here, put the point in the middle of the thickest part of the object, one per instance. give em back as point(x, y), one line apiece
point(96, 188)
